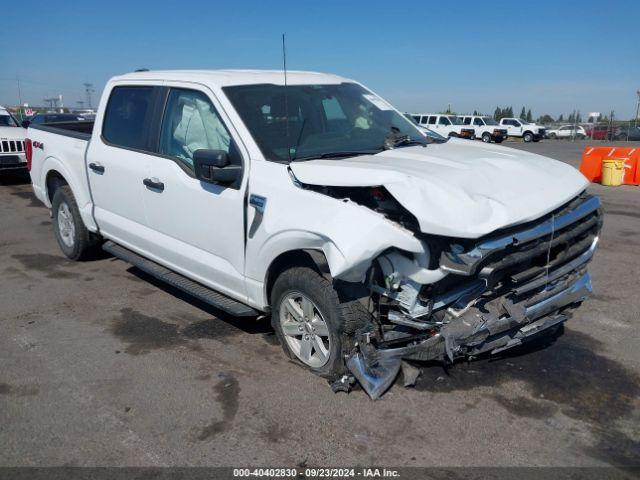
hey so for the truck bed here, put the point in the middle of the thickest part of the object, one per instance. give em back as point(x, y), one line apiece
point(81, 129)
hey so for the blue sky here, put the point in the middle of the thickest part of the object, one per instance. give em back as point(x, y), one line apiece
point(551, 56)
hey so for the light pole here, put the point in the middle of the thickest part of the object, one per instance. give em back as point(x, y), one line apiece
point(635, 120)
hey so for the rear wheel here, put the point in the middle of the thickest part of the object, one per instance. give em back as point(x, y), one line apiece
point(75, 241)
point(528, 137)
point(486, 137)
point(314, 324)
point(552, 135)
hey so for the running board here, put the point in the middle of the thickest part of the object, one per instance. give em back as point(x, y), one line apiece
point(205, 294)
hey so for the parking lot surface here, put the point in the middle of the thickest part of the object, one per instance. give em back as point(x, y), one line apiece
point(102, 365)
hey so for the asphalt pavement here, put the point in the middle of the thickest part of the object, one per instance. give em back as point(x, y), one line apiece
point(103, 366)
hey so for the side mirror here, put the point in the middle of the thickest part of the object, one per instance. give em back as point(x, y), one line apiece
point(25, 123)
point(214, 166)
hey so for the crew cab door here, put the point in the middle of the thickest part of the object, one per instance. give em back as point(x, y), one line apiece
point(117, 160)
point(198, 227)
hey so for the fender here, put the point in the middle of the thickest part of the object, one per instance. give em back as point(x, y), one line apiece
point(83, 200)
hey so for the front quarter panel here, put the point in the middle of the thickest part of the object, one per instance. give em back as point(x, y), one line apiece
point(349, 235)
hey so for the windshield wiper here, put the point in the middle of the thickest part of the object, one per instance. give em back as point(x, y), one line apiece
point(408, 141)
point(347, 153)
point(394, 139)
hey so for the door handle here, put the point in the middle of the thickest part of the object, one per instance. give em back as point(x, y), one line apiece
point(96, 167)
point(153, 183)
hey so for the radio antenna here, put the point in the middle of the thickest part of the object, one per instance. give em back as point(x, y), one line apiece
point(286, 105)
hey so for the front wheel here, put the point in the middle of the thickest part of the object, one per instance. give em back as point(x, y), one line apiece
point(528, 137)
point(75, 241)
point(314, 325)
point(486, 137)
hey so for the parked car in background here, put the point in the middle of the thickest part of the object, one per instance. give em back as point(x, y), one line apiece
point(364, 243)
point(445, 125)
point(486, 128)
point(42, 118)
point(625, 132)
point(567, 131)
point(12, 144)
point(597, 132)
point(517, 127)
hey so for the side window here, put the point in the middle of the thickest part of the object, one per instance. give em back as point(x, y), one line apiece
point(478, 121)
point(125, 119)
point(416, 118)
point(466, 120)
point(444, 121)
point(515, 123)
point(432, 120)
point(424, 120)
point(191, 123)
point(332, 109)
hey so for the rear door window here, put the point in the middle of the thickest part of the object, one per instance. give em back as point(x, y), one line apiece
point(127, 116)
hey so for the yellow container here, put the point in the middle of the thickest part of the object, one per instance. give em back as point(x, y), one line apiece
point(612, 172)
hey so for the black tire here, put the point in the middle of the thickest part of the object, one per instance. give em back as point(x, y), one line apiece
point(83, 243)
point(486, 137)
point(343, 316)
point(552, 135)
point(527, 137)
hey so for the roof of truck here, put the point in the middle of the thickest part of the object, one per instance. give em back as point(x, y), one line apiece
point(224, 78)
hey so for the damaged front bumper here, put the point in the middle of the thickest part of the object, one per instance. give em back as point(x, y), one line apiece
point(497, 325)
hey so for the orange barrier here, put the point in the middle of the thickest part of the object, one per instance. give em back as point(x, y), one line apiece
point(591, 166)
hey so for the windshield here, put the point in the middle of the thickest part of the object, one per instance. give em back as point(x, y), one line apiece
point(7, 121)
point(524, 122)
point(306, 121)
point(489, 121)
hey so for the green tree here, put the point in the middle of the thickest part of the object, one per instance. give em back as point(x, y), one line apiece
point(497, 114)
point(561, 118)
point(523, 113)
point(544, 119)
point(509, 112)
point(578, 118)
point(529, 116)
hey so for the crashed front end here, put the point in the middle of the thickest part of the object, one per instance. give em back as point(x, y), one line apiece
point(464, 298)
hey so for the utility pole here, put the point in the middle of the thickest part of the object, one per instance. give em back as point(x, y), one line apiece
point(635, 120)
point(20, 95)
point(88, 90)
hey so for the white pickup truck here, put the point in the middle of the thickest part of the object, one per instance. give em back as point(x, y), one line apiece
point(517, 127)
point(487, 129)
point(317, 202)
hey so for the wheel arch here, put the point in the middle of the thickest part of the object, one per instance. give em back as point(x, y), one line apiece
point(302, 257)
point(55, 173)
point(53, 180)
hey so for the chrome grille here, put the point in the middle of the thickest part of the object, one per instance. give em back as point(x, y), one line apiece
point(11, 146)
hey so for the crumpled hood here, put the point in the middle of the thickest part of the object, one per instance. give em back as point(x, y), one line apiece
point(459, 188)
